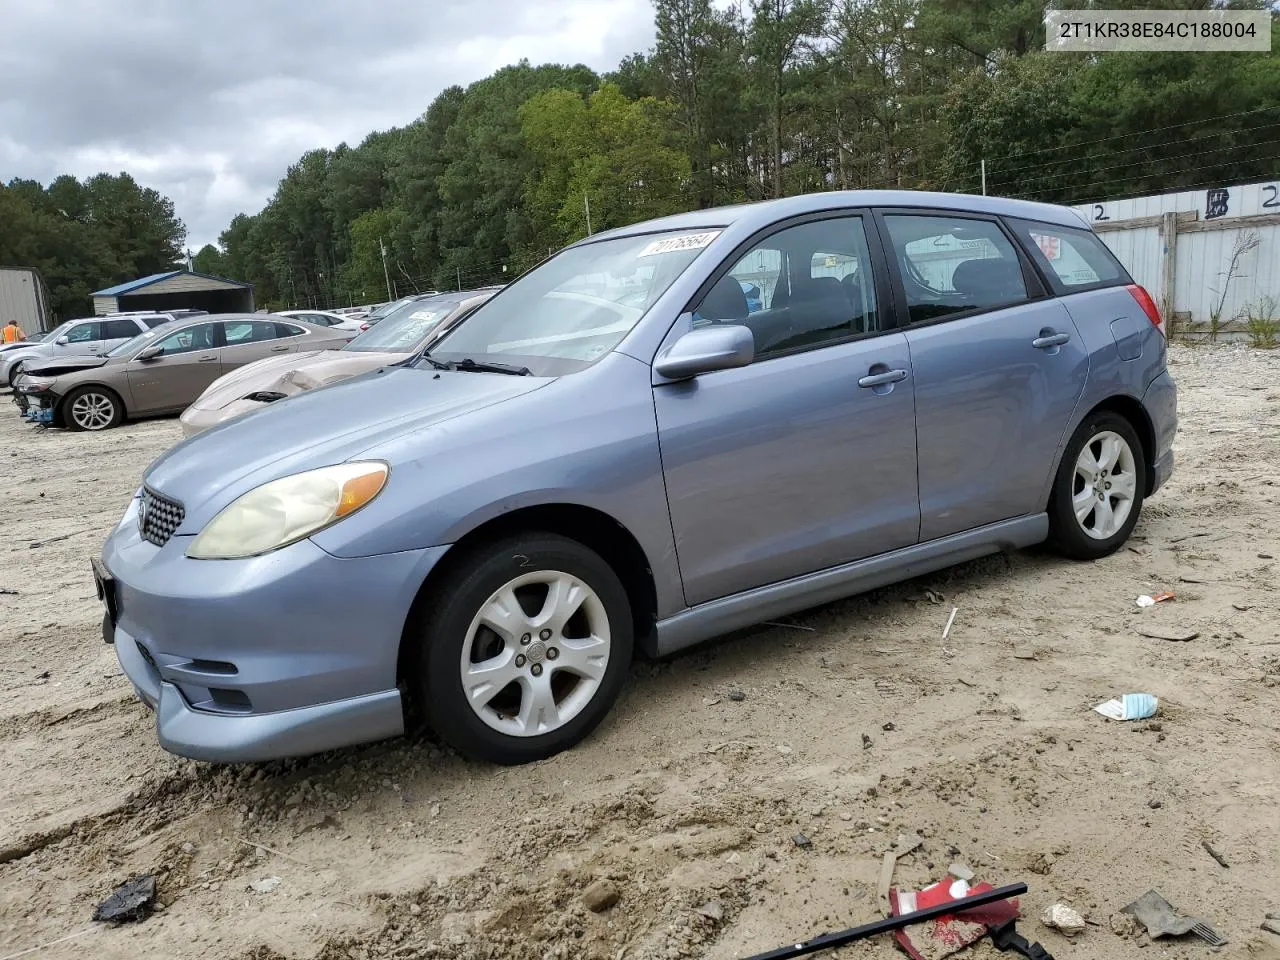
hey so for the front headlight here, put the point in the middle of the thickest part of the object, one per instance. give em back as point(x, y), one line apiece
point(287, 510)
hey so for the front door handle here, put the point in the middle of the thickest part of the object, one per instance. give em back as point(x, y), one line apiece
point(211, 357)
point(1050, 340)
point(881, 379)
point(279, 349)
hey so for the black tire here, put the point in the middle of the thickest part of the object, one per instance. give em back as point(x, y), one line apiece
point(443, 631)
point(102, 396)
point(1066, 533)
point(14, 372)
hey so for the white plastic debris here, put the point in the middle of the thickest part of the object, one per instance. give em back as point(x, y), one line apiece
point(265, 885)
point(1132, 706)
point(1145, 601)
point(1062, 918)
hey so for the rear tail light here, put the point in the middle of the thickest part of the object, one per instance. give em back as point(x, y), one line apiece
point(364, 326)
point(1148, 305)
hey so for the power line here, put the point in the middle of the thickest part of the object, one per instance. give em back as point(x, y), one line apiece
point(1134, 133)
point(1087, 171)
point(1204, 136)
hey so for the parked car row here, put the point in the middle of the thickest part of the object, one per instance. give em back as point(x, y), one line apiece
point(88, 336)
point(158, 370)
point(662, 433)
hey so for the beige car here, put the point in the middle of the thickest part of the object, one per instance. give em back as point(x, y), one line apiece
point(160, 371)
point(404, 331)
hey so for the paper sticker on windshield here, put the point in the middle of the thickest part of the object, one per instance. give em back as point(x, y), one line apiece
point(688, 241)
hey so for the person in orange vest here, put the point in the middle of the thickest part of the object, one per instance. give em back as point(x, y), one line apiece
point(13, 333)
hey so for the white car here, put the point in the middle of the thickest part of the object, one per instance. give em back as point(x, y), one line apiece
point(324, 318)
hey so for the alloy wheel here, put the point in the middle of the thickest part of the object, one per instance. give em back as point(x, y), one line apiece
point(535, 653)
point(1104, 485)
point(92, 411)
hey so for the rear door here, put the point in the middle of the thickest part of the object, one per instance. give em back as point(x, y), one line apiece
point(116, 332)
point(186, 364)
point(250, 340)
point(998, 367)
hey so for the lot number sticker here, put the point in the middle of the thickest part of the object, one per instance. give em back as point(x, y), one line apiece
point(689, 241)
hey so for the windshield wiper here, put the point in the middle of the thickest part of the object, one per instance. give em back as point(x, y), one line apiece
point(466, 363)
point(438, 364)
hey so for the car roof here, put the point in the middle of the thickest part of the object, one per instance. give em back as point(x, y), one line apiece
point(763, 213)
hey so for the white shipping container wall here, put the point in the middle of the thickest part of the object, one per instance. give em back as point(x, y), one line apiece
point(1202, 257)
point(21, 299)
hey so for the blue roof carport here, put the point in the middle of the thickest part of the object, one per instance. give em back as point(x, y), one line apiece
point(174, 290)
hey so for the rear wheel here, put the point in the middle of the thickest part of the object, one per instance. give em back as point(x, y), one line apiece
point(92, 408)
point(1097, 494)
point(526, 649)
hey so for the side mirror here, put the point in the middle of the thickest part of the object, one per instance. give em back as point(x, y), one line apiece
point(701, 350)
point(62, 341)
point(149, 353)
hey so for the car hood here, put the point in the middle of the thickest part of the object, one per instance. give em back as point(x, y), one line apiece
point(20, 345)
point(318, 428)
point(13, 350)
point(56, 368)
point(291, 374)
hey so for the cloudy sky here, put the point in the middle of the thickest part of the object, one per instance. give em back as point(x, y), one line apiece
point(209, 101)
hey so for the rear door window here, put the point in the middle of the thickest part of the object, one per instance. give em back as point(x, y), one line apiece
point(954, 264)
point(249, 331)
point(119, 329)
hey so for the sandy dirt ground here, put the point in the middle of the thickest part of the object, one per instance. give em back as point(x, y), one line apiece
point(854, 725)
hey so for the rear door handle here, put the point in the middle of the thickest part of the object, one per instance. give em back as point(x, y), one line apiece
point(209, 358)
point(880, 379)
point(1053, 340)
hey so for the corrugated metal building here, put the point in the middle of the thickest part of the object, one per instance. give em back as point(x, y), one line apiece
point(23, 297)
point(175, 290)
point(1180, 247)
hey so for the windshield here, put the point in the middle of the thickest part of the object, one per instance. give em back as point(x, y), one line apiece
point(577, 306)
point(386, 309)
point(141, 339)
point(404, 329)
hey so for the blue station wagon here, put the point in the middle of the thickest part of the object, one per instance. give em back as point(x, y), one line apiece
point(618, 453)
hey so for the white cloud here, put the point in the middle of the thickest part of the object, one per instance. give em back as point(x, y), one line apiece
point(209, 101)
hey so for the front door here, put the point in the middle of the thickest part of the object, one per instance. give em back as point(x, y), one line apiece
point(187, 363)
point(806, 458)
point(998, 369)
point(81, 339)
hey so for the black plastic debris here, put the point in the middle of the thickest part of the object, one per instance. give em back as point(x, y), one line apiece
point(130, 902)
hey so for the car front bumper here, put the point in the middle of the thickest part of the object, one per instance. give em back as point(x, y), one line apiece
point(38, 407)
point(286, 654)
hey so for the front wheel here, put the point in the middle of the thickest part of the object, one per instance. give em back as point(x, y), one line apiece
point(525, 650)
point(1097, 494)
point(14, 373)
point(92, 408)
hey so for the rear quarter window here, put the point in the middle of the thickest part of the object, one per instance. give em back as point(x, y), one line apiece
point(1073, 259)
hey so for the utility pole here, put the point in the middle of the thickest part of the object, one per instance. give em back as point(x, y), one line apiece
point(586, 202)
point(984, 177)
point(459, 279)
point(385, 273)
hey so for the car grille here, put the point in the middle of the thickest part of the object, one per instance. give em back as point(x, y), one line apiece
point(158, 517)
